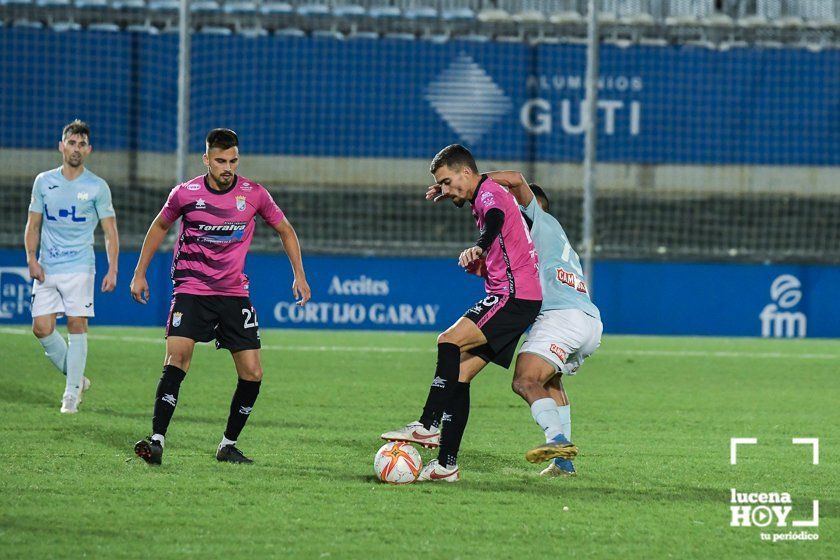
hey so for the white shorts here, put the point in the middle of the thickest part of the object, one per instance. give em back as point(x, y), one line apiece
point(564, 338)
point(66, 294)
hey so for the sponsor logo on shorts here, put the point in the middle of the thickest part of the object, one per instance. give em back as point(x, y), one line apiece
point(176, 319)
point(246, 410)
point(439, 382)
point(240, 203)
point(89, 305)
point(169, 399)
point(559, 352)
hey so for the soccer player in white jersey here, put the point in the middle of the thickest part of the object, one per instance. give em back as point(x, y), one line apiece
point(67, 203)
point(567, 330)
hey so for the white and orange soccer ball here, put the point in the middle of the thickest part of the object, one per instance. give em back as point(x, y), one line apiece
point(397, 462)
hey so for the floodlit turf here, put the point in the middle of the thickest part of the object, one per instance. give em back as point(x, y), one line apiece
point(652, 416)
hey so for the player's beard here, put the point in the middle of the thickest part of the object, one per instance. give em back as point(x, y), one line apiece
point(224, 180)
point(74, 161)
point(459, 202)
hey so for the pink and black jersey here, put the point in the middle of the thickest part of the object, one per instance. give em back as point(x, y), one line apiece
point(216, 232)
point(512, 265)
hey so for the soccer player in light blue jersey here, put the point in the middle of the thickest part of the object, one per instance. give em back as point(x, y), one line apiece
point(67, 203)
point(567, 330)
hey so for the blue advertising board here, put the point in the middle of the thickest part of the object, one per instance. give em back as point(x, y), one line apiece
point(430, 294)
point(407, 99)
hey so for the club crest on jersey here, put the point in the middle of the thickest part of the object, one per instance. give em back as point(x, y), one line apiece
point(240, 203)
point(176, 318)
point(82, 196)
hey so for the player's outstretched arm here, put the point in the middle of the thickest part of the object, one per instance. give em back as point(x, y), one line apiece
point(300, 288)
point(516, 183)
point(112, 248)
point(31, 238)
point(154, 237)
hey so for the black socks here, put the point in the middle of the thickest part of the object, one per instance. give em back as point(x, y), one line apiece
point(240, 407)
point(443, 385)
point(166, 398)
point(456, 418)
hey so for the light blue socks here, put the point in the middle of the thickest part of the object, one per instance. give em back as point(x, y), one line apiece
point(547, 416)
point(56, 350)
point(76, 358)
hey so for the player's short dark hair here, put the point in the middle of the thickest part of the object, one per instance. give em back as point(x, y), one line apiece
point(76, 127)
point(221, 138)
point(454, 156)
point(539, 193)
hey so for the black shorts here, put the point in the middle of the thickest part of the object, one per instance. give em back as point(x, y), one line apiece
point(231, 320)
point(502, 319)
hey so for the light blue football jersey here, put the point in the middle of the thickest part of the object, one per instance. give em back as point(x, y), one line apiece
point(561, 276)
point(71, 210)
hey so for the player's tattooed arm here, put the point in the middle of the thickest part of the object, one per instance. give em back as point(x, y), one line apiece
point(516, 184)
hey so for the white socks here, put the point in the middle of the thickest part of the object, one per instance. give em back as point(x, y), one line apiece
point(76, 358)
point(547, 416)
point(56, 350)
point(566, 420)
point(158, 438)
point(226, 441)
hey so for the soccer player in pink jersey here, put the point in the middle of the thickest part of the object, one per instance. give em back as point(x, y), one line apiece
point(210, 297)
point(489, 331)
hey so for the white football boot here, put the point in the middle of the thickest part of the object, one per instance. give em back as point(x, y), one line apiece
point(415, 433)
point(69, 404)
point(85, 387)
point(435, 472)
point(559, 467)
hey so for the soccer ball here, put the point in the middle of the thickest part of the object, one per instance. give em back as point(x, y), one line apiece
point(397, 462)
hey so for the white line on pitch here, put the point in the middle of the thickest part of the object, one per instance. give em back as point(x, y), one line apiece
point(398, 349)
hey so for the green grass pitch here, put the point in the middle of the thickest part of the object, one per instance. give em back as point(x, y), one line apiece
point(653, 418)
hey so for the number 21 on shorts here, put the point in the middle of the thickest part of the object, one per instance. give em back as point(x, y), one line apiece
point(250, 318)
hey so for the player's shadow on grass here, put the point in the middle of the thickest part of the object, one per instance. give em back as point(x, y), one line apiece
point(18, 394)
point(541, 487)
point(187, 417)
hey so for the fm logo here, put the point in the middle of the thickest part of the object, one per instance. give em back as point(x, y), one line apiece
point(64, 213)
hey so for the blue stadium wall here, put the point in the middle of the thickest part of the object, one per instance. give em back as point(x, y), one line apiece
point(392, 98)
point(430, 294)
point(388, 99)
